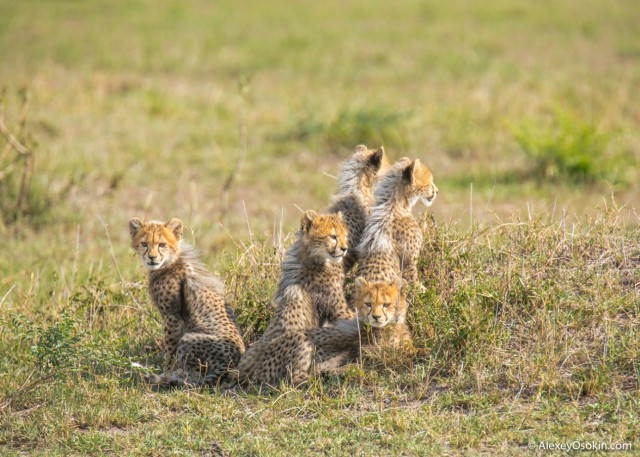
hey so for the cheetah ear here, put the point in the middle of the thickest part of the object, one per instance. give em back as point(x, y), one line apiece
point(176, 226)
point(407, 173)
point(360, 284)
point(360, 148)
point(376, 158)
point(339, 216)
point(307, 220)
point(135, 225)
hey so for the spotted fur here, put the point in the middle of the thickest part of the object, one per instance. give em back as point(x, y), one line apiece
point(310, 295)
point(391, 227)
point(356, 179)
point(381, 322)
point(201, 337)
point(382, 309)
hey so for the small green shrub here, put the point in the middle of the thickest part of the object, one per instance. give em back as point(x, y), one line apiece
point(252, 281)
point(350, 126)
point(373, 127)
point(64, 345)
point(567, 148)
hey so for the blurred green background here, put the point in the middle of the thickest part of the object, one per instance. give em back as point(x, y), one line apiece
point(147, 109)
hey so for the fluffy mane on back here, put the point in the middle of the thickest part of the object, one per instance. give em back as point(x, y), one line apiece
point(199, 275)
point(291, 265)
point(376, 236)
point(358, 173)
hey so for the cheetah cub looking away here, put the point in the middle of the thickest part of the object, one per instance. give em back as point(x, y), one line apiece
point(201, 337)
point(310, 295)
point(391, 227)
point(357, 177)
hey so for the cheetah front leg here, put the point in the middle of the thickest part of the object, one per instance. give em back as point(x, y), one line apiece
point(408, 256)
point(410, 270)
point(338, 308)
point(343, 311)
point(410, 274)
point(173, 331)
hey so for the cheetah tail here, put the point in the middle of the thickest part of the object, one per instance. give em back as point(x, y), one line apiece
point(159, 380)
point(180, 378)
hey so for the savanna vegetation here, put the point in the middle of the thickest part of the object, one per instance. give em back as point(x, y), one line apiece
point(233, 117)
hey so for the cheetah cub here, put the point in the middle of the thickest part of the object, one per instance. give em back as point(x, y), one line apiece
point(310, 295)
point(381, 323)
point(201, 336)
point(391, 227)
point(382, 309)
point(357, 177)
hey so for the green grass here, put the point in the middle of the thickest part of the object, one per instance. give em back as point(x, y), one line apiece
point(527, 325)
point(526, 333)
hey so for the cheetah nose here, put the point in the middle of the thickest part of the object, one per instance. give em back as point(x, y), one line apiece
point(343, 250)
point(377, 318)
point(153, 257)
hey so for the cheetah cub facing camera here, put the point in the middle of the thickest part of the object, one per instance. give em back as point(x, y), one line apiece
point(201, 337)
point(381, 308)
point(358, 175)
point(310, 295)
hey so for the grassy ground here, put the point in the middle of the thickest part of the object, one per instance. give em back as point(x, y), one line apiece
point(232, 117)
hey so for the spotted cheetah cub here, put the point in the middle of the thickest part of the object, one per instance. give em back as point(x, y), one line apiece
point(201, 336)
point(382, 307)
point(310, 295)
point(357, 177)
point(391, 227)
point(380, 325)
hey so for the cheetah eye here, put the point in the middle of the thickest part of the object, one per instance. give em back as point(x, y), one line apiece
point(368, 305)
point(163, 245)
point(144, 244)
point(386, 305)
point(333, 237)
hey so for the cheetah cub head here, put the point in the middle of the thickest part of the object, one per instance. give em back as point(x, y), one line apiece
point(381, 303)
point(157, 243)
point(362, 169)
point(324, 236)
point(417, 181)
